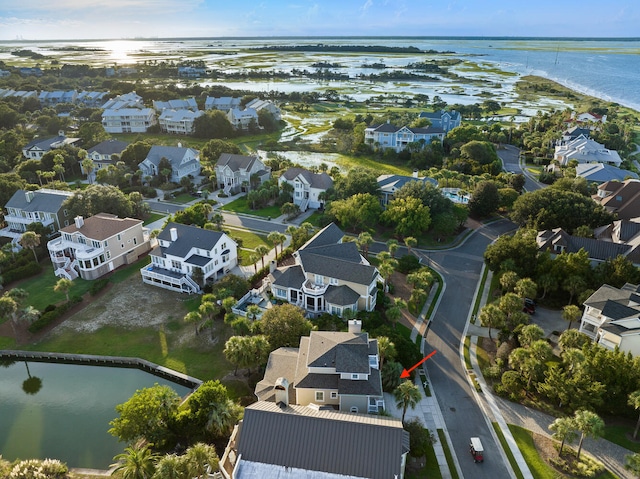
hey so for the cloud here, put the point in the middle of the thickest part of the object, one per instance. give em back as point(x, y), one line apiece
point(152, 6)
point(368, 4)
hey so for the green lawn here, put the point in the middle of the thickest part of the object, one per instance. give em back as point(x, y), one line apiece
point(618, 435)
point(40, 288)
point(181, 199)
point(153, 217)
point(249, 239)
point(447, 453)
point(240, 205)
point(537, 466)
point(507, 450)
point(314, 219)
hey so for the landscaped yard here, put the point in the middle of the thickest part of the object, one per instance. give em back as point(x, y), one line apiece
point(240, 205)
point(40, 288)
point(153, 217)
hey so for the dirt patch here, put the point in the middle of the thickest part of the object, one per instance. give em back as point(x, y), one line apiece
point(402, 290)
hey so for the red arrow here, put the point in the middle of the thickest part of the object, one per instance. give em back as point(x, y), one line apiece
point(405, 373)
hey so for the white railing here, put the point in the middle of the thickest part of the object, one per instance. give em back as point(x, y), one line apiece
point(607, 344)
point(304, 204)
point(314, 289)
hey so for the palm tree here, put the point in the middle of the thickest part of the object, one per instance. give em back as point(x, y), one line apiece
point(634, 401)
point(31, 240)
point(254, 260)
point(276, 238)
point(136, 462)
point(407, 395)
point(195, 318)
point(632, 463)
point(589, 424)
point(392, 246)
point(410, 242)
point(492, 317)
point(571, 313)
point(262, 250)
point(222, 418)
point(171, 466)
point(199, 458)
point(364, 241)
point(386, 349)
point(88, 166)
point(234, 352)
point(63, 286)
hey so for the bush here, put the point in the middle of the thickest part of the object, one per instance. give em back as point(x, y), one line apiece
point(22, 272)
point(46, 319)
point(408, 263)
point(98, 286)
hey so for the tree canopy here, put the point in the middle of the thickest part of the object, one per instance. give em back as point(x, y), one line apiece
point(99, 199)
point(284, 325)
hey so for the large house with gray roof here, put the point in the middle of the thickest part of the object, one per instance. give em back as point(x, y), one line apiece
point(184, 162)
point(281, 440)
point(612, 318)
point(328, 276)
point(447, 120)
point(35, 149)
point(339, 370)
point(601, 172)
point(308, 187)
point(103, 153)
point(41, 206)
point(234, 172)
point(585, 150)
point(620, 198)
point(183, 249)
point(389, 184)
point(388, 136)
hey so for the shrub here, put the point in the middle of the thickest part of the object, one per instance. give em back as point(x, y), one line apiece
point(46, 319)
point(408, 263)
point(22, 272)
point(98, 285)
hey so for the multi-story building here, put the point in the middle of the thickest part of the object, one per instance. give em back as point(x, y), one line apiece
point(308, 187)
point(102, 153)
point(35, 149)
point(447, 120)
point(42, 206)
point(184, 162)
point(242, 119)
point(223, 103)
point(234, 172)
point(178, 122)
point(388, 136)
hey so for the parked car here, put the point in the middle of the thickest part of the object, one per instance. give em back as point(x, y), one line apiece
point(529, 306)
point(476, 449)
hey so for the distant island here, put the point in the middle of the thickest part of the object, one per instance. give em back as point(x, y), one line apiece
point(321, 47)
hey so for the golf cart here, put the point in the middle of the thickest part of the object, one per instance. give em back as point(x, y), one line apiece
point(476, 449)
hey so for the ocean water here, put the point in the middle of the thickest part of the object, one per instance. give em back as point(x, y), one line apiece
point(604, 68)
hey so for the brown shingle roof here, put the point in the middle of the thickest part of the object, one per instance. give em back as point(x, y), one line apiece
point(102, 226)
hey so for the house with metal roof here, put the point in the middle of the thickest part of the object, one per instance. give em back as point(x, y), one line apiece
point(35, 149)
point(612, 318)
point(601, 172)
point(339, 370)
point(234, 172)
point(585, 150)
point(328, 276)
point(182, 250)
point(389, 184)
point(574, 132)
point(257, 104)
point(281, 440)
point(184, 162)
point(388, 136)
point(178, 104)
point(102, 153)
point(42, 206)
point(223, 103)
point(178, 122)
point(308, 187)
point(242, 119)
point(95, 246)
point(447, 120)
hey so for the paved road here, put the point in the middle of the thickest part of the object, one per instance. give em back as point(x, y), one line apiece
point(461, 269)
point(510, 156)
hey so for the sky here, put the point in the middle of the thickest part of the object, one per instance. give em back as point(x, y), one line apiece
point(97, 19)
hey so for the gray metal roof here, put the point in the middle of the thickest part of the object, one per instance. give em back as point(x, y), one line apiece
point(337, 268)
point(109, 147)
point(175, 154)
point(48, 201)
point(330, 441)
point(236, 162)
point(317, 180)
point(189, 237)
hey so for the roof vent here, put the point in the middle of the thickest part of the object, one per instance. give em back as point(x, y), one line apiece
point(174, 234)
point(79, 221)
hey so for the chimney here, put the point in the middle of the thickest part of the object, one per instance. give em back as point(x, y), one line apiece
point(281, 392)
point(28, 196)
point(79, 221)
point(174, 234)
point(272, 266)
point(415, 173)
point(355, 326)
point(179, 144)
point(61, 133)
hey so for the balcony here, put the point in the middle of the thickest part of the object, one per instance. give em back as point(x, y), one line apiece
point(83, 252)
point(27, 221)
point(314, 289)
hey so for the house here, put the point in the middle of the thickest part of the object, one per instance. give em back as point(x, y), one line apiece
point(589, 117)
point(188, 104)
point(191, 72)
point(339, 370)
point(558, 241)
point(33, 71)
point(574, 132)
point(257, 104)
point(224, 103)
point(234, 172)
point(281, 440)
point(35, 149)
point(91, 98)
point(128, 120)
point(328, 276)
point(601, 172)
point(181, 250)
point(389, 184)
point(184, 162)
point(308, 188)
point(179, 122)
point(620, 198)
point(102, 153)
point(612, 318)
point(388, 136)
point(52, 98)
point(585, 150)
point(95, 246)
point(242, 119)
point(41, 206)
point(127, 100)
point(447, 120)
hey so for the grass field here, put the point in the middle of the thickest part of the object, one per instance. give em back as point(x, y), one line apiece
point(153, 217)
point(240, 205)
point(618, 435)
point(40, 288)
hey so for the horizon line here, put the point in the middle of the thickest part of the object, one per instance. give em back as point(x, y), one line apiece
point(258, 37)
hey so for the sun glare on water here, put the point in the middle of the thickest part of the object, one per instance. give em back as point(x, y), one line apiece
point(121, 50)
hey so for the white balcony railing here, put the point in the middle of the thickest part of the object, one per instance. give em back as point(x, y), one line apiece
point(314, 289)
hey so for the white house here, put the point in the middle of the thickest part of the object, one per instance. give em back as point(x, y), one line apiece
point(184, 162)
point(242, 119)
point(128, 120)
point(389, 184)
point(188, 104)
point(257, 104)
point(35, 149)
point(182, 250)
point(179, 122)
point(590, 117)
point(387, 136)
point(307, 187)
point(127, 100)
point(223, 103)
point(234, 172)
point(102, 153)
point(585, 150)
point(447, 120)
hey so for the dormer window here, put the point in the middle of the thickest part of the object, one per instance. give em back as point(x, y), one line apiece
point(373, 361)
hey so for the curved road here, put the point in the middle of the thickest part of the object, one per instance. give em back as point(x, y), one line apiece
point(461, 267)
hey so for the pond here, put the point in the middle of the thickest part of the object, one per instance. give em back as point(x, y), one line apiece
point(62, 411)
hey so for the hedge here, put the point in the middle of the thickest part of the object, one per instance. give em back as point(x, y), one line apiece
point(98, 285)
point(21, 272)
point(52, 314)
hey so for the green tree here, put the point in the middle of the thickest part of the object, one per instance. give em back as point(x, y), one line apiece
point(386, 350)
point(195, 318)
point(589, 424)
point(634, 401)
point(63, 285)
point(277, 239)
point(30, 240)
point(210, 414)
point(571, 313)
point(632, 463)
point(98, 199)
point(420, 439)
point(149, 414)
point(136, 462)
point(284, 325)
point(358, 181)
point(485, 199)
point(526, 288)
point(407, 395)
point(492, 316)
point(358, 212)
point(213, 124)
point(392, 247)
point(363, 241)
point(171, 466)
point(201, 458)
point(262, 250)
point(508, 281)
point(564, 430)
point(408, 215)
point(410, 242)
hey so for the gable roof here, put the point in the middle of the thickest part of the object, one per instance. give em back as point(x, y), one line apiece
point(389, 128)
point(236, 162)
point(174, 154)
point(596, 249)
point(394, 182)
point(623, 198)
point(437, 115)
point(102, 226)
point(601, 172)
point(321, 181)
point(41, 200)
point(281, 364)
point(189, 237)
point(109, 147)
point(329, 235)
point(340, 443)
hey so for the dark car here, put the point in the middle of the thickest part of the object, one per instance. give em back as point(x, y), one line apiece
point(529, 306)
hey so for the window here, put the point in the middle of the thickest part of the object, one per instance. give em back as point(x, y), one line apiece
point(355, 376)
point(320, 396)
point(281, 293)
point(108, 254)
point(135, 240)
point(66, 213)
point(96, 244)
point(333, 281)
point(354, 409)
point(119, 237)
point(175, 264)
point(334, 395)
point(319, 279)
